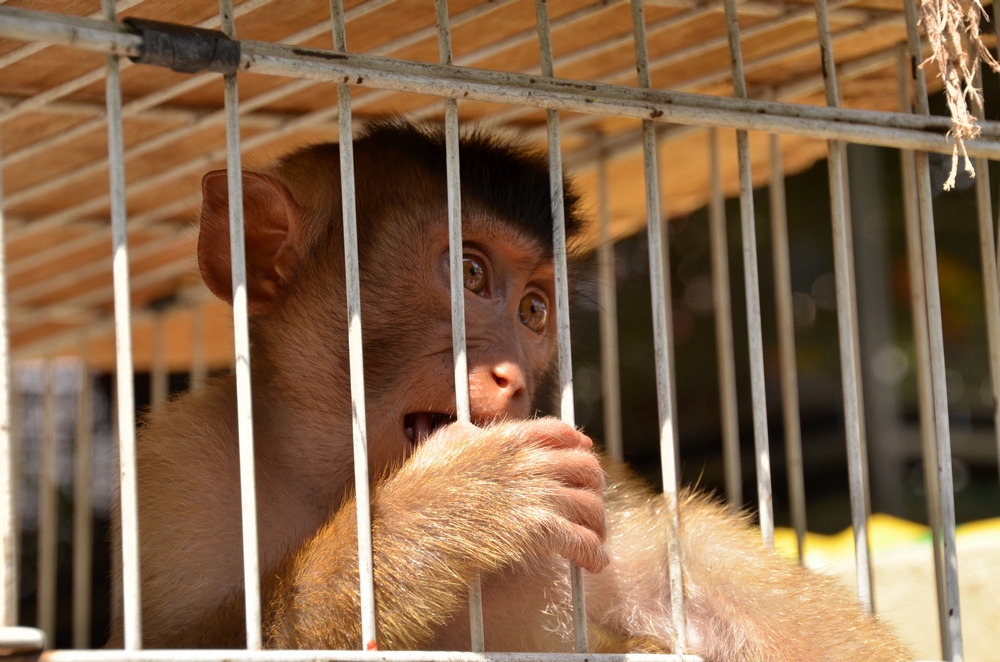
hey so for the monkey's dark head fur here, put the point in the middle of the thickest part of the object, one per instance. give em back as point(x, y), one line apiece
point(401, 166)
point(295, 250)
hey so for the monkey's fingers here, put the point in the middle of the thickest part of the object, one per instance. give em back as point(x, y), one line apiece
point(578, 544)
point(553, 433)
point(583, 508)
point(575, 468)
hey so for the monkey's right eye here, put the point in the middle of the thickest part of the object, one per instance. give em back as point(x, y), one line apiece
point(474, 274)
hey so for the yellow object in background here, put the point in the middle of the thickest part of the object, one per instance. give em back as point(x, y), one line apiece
point(904, 585)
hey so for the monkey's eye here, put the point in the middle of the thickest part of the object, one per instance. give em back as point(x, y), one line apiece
point(533, 311)
point(474, 274)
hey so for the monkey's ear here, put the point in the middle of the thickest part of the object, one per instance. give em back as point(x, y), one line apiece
point(271, 220)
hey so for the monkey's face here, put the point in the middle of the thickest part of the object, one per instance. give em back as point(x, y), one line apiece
point(296, 293)
point(409, 358)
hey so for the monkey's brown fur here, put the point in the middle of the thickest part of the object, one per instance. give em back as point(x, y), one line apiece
point(512, 498)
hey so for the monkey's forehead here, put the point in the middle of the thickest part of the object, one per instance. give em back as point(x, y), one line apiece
point(496, 174)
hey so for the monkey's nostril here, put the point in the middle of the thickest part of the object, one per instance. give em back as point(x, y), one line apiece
point(508, 378)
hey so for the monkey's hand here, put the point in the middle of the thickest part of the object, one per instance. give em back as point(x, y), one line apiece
point(469, 499)
point(497, 495)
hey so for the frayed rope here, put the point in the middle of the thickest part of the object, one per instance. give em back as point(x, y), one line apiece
point(944, 22)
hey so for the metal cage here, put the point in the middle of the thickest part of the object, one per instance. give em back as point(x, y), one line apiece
point(913, 133)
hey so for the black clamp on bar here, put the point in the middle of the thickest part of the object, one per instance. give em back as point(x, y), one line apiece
point(185, 49)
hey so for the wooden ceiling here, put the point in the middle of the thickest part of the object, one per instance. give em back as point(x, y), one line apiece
point(53, 134)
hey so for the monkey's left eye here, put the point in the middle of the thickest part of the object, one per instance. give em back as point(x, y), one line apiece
point(533, 311)
point(474, 274)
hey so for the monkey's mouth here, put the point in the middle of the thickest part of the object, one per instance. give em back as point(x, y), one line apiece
point(422, 424)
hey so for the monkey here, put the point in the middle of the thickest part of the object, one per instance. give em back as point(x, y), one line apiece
point(509, 496)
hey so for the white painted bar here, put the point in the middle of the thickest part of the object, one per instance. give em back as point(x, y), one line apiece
point(952, 643)
point(607, 298)
point(131, 603)
point(83, 518)
point(9, 476)
point(241, 331)
point(346, 656)
point(21, 640)
point(117, 588)
point(786, 347)
point(847, 325)
point(750, 275)
point(159, 376)
point(199, 364)
point(353, 278)
point(48, 508)
point(722, 304)
point(658, 270)
point(17, 467)
point(565, 357)
point(456, 265)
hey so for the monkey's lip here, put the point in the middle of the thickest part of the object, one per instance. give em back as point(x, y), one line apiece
point(419, 425)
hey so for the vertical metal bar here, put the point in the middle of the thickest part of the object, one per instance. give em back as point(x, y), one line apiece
point(456, 256)
point(724, 330)
point(668, 289)
point(117, 588)
point(952, 647)
point(658, 267)
point(248, 481)
point(568, 414)
point(17, 467)
point(9, 479)
point(748, 226)
point(199, 366)
point(354, 341)
point(48, 508)
point(159, 378)
point(996, 33)
point(991, 291)
point(786, 347)
point(918, 305)
point(83, 521)
point(131, 603)
point(847, 324)
point(607, 298)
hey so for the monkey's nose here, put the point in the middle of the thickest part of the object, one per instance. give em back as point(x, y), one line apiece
point(497, 391)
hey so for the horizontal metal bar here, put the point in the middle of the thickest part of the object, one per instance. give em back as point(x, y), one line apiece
point(21, 639)
point(92, 34)
point(347, 656)
point(22, 52)
point(94, 75)
point(865, 127)
point(600, 99)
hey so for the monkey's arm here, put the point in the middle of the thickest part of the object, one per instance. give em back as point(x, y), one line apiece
point(742, 601)
point(751, 604)
point(468, 500)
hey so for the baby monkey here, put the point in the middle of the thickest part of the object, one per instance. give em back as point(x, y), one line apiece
point(510, 497)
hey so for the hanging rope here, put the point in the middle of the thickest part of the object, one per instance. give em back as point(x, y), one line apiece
point(944, 22)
